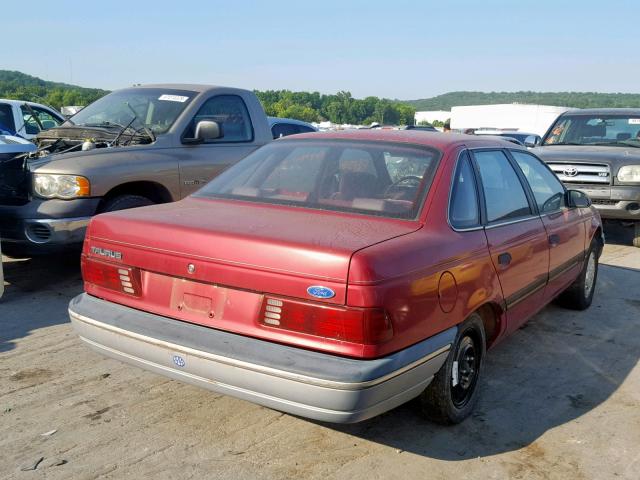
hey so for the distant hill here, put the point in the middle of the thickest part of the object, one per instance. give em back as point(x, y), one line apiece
point(21, 86)
point(561, 99)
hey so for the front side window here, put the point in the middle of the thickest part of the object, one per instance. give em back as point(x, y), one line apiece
point(7, 125)
point(547, 189)
point(231, 113)
point(366, 178)
point(463, 209)
point(504, 195)
point(613, 130)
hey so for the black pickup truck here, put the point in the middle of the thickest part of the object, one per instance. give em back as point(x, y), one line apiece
point(598, 151)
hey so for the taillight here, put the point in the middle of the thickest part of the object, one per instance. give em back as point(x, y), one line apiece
point(358, 325)
point(114, 277)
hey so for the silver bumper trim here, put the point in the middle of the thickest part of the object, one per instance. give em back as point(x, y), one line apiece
point(292, 392)
point(254, 367)
point(62, 230)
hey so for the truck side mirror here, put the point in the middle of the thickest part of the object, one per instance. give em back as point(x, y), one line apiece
point(576, 198)
point(532, 141)
point(206, 130)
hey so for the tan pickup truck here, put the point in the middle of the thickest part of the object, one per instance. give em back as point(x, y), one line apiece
point(133, 147)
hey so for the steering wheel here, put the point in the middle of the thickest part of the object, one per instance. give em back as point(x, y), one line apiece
point(402, 186)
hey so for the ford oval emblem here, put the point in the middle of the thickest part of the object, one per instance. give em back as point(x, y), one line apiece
point(179, 361)
point(320, 292)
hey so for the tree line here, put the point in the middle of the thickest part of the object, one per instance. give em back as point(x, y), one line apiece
point(340, 108)
point(560, 99)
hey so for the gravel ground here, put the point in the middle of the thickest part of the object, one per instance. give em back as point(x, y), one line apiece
point(560, 399)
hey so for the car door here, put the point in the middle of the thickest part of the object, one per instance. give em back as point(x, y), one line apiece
point(516, 236)
point(198, 164)
point(565, 226)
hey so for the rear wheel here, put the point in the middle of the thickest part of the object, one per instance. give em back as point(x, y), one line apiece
point(453, 393)
point(636, 235)
point(579, 295)
point(122, 202)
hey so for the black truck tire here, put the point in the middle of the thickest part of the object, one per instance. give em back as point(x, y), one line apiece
point(122, 202)
point(451, 397)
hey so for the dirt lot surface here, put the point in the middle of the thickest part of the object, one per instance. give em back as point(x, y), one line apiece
point(560, 399)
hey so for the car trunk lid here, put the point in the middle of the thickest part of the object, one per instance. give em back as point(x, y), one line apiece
point(265, 248)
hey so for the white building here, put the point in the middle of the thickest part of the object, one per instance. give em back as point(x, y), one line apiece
point(514, 116)
point(431, 116)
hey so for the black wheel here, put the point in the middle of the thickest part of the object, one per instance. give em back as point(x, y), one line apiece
point(579, 295)
point(453, 393)
point(122, 202)
point(636, 235)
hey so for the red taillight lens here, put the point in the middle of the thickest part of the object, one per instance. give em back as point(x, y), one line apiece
point(358, 325)
point(114, 277)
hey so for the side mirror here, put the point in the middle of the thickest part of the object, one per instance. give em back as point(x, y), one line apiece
point(532, 141)
point(576, 198)
point(206, 130)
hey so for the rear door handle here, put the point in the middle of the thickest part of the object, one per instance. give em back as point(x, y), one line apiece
point(504, 259)
point(554, 240)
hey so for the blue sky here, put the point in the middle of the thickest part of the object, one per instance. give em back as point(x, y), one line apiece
point(395, 49)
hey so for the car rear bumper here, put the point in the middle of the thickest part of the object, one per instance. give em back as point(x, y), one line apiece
point(297, 381)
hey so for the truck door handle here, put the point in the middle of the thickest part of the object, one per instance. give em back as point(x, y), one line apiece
point(554, 240)
point(504, 259)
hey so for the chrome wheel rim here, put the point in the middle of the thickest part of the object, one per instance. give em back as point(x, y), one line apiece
point(590, 275)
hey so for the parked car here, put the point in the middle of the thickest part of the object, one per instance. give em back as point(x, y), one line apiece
point(424, 128)
point(283, 127)
point(26, 119)
point(597, 151)
point(338, 275)
point(531, 139)
point(133, 147)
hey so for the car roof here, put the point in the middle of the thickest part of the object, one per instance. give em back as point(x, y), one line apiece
point(604, 111)
point(441, 141)
point(193, 87)
point(293, 121)
point(22, 102)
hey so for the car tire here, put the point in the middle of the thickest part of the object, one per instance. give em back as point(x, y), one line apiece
point(636, 235)
point(579, 295)
point(122, 202)
point(453, 392)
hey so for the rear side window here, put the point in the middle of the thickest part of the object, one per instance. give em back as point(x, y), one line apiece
point(503, 193)
point(230, 112)
point(284, 130)
point(6, 119)
point(463, 209)
point(547, 189)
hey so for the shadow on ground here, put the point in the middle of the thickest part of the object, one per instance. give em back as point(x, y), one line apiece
point(617, 234)
point(561, 365)
point(37, 292)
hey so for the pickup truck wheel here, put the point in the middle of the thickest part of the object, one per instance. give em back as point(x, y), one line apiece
point(453, 392)
point(636, 235)
point(122, 202)
point(579, 295)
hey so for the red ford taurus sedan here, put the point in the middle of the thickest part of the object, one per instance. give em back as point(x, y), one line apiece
point(336, 276)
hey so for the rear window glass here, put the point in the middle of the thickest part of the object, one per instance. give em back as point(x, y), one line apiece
point(372, 178)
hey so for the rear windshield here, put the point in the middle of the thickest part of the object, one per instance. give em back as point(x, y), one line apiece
point(614, 130)
point(372, 178)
